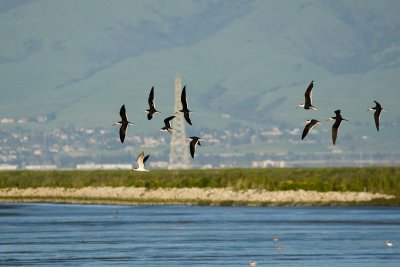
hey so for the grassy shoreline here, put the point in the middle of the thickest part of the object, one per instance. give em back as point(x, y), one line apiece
point(384, 180)
point(140, 202)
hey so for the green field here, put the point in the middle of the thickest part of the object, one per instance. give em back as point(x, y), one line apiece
point(372, 179)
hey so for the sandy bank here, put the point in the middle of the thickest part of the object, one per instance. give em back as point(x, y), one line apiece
point(177, 195)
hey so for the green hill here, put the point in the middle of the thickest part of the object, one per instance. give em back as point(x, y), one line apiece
point(78, 62)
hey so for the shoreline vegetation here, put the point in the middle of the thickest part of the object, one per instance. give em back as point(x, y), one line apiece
point(230, 187)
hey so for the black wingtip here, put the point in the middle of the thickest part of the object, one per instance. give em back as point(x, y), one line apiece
point(146, 158)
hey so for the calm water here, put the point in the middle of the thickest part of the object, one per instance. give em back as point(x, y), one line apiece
point(54, 235)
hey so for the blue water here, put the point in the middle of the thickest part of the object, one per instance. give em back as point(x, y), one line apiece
point(101, 235)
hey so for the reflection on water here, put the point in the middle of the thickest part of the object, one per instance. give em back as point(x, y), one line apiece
point(54, 234)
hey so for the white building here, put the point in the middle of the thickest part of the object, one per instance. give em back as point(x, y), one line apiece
point(268, 164)
point(41, 167)
point(8, 167)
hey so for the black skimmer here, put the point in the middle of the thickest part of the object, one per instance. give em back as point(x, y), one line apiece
point(378, 109)
point(123, 122)
point(338, 119)
point(308, 98)
point(194, 140)
point(141, 160)
point(185, 109)
point(167, 126)
point(152, 108)
point(310, 124)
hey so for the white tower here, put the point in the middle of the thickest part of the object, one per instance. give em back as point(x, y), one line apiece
point(178, 154)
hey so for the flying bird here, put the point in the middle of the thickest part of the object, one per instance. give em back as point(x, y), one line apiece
point(194, 141)
point(185, 109)
point(308, 98)
point(335, 127)
point(167, 126)
point(141, 160)
point(123, 122)
point(310, 124)
point(152, 108)
point(378, 109)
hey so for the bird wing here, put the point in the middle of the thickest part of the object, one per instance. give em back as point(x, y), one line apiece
point(122, 113)
point(377, 105)
point(145, 159)
point(334, 134)
point(377, 114)
point(308, 94)
point(149, 115)
point(306, 130)
point(122, 132)
point(140, 160)
point(187, 118)
point(183, 98)
point(168, 119)
point(337, 123)
point(151, 97)
point(192, 147)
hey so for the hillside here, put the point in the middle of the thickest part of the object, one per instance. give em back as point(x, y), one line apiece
point(249, 59)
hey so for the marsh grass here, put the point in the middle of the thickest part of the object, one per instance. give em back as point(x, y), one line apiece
point(370, 179)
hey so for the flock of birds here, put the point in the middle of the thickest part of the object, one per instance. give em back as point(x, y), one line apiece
point(124, 123)
point(194, 140)
point(338, 118)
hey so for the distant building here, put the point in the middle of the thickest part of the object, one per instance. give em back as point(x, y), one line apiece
point(268, 164)
point(8, 167)
point(6, 120)
point(41, 167)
